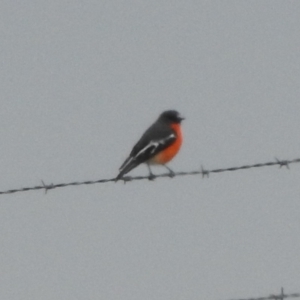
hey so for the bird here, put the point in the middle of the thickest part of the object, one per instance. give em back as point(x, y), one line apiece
point(157, 146)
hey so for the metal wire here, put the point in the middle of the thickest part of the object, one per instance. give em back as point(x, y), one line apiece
point(281, 296)
point(202, 171)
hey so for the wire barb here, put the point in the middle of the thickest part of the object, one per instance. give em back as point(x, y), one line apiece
point(47, 187)
point(204, 172)
point(282, 163)
point(126, 179)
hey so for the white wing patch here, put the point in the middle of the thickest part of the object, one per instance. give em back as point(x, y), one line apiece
point(155, 144)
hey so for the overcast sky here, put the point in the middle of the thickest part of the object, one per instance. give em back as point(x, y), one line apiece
point(81, 81)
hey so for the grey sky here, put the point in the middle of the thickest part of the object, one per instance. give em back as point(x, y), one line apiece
point(80, 82)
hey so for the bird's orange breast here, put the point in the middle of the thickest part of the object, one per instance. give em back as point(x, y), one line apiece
point(167, 154)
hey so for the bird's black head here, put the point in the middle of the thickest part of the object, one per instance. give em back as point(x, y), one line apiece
point(172, 116)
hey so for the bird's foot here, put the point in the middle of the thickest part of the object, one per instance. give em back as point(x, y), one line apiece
point(171, 174)
point(151, 177)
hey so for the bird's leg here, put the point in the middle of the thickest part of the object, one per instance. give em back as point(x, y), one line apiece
point(151, 175)
point(171, 172)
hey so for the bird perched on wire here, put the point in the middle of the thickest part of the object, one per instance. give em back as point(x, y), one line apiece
point(157, 146)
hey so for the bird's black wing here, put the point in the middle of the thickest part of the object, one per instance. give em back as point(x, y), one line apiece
point(156, 138)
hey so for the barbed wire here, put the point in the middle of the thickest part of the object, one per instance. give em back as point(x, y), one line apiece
point(202, 171)
point(280, 296)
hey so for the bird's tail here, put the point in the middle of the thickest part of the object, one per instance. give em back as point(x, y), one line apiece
point(129, 164)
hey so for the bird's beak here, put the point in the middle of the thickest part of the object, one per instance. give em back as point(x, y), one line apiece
point(181, 117)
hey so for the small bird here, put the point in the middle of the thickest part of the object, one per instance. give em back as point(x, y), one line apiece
point(157, 146)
